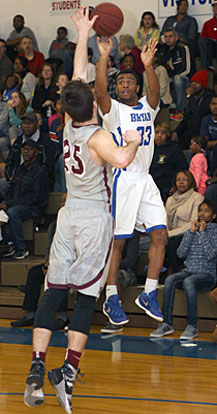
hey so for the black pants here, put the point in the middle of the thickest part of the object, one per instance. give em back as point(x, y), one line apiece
point(34, 281)
point(171, 256)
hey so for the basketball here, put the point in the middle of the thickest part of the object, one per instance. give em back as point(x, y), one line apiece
point(110, 19)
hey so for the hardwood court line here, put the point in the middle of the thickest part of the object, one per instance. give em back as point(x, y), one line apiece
point(105, 397)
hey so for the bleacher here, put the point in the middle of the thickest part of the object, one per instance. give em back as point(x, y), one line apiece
point(14, 273)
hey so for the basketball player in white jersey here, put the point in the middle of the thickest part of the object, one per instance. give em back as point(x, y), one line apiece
point(136, 199)
point(80, 252)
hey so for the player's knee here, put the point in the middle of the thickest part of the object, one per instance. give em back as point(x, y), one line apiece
point(159, 237)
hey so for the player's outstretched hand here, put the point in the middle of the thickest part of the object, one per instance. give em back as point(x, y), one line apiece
point(105, 45)
point(148, 53)
point(132, 135)
point(81, 20)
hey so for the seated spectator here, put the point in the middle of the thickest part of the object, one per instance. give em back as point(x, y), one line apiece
point(27, 197)
point(209, 124)
point(45, 151)
point(35, 59)
point(185, 26)
point(17, 106)
point(56, 135)
point(60, 81)
point(181, 209)
point(161, 72)
point(6, 65)
point(32, 289)
point(69, 59)
point(58, 113)
point(43, 95)
point(199, 249)
point(167, 160)
point(208, 38)
point(27, 79)
point(4, 130)
point(15, 37)
point(111, 83)
point(175, 56)
point(148, 29)
point(11, 85)
point(58, 46)
point(127, 46)
point(211, 192)
point(199, 98)
point(198, 164)
point(92, 42)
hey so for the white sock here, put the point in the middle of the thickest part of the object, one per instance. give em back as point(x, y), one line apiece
point(150, 284)
point(111, 290)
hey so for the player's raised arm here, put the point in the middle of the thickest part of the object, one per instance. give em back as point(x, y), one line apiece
point(105, 149)
point(105, 45)
point(147, 57)
point(83, 26)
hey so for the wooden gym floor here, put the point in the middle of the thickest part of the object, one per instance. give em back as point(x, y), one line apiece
point(126, 373)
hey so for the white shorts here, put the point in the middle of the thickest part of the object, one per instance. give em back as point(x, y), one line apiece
point(136, 204)
point(81, 249)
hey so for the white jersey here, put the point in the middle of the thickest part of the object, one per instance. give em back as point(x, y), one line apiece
point(84, 179)
point(141, 117)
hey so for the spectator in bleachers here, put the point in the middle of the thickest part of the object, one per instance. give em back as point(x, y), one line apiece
point(32, 289)
point(17, 106)
point(181, 209)
point(199, 248)
point(27, 197)
point(58, 46)
point(167, 160)
point(127, 46)
point(4, 129)
point(92, 42)
point(199, 97)
point(211, 192)
point(46, 149)
point(185, 26)
point(198, 164)
point(35, 58)
point(11, 85)
point(44, 91)
point(60, 81)
point(175, 56)
point(15, 37)
point(27, 79)
point(56, 135)
point(148, 29)
point(111, 83)
point(161, 72)
point(6, 65)
point(209, 124)
point(208, 38)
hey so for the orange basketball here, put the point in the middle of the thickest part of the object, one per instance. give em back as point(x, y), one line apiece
point(110, 19)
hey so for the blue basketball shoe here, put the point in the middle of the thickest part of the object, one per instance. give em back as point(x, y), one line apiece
point(114, 312)
point(149, 303)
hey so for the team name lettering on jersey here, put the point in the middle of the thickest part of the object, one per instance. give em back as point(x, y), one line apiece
point(140, 117)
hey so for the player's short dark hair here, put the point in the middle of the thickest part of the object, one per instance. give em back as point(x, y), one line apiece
point(77, 100)
point(136, 76)
point(20, 16)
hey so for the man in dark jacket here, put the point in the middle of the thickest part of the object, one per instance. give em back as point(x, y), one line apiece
point(46, 149)
point(27, 197)
point(197, 107)
point(167, 160)
point(177, 59)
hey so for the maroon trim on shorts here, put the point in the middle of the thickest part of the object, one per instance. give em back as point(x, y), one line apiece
point(108, 189)
point(86, 285)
